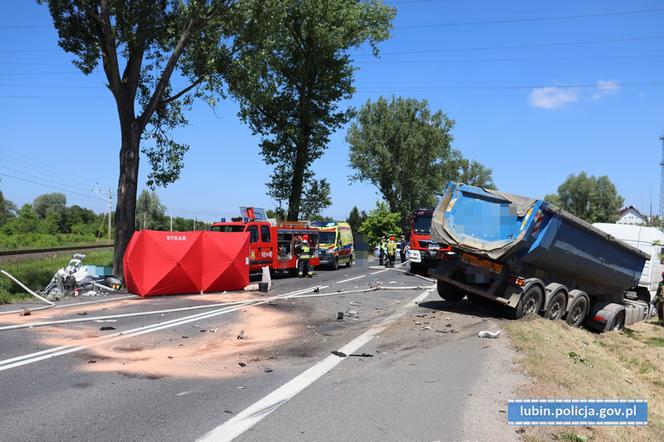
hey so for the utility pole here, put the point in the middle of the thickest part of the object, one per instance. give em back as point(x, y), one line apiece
point(171, 221)
point(194, 223)
point(110, 209)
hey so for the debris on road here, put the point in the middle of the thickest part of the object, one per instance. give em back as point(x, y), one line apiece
point(352, 314)
point(228, 411)
point(340, 316)
point(355, 303)
point(82, 313)
point(268, 370)
point(107, 327)
point(242, 335)
point(362, 355)
point(241, 364)
point(92, 361)
point(25, 312)
point(488, 334)
point(341, 354)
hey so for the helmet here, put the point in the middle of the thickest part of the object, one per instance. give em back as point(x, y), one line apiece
point(391, 238)
point(304, 241)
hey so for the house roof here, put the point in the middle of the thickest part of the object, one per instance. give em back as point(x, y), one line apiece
point(626, 209)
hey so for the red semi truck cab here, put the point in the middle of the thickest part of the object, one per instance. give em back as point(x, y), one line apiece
point(272, 245)
point(423, 253)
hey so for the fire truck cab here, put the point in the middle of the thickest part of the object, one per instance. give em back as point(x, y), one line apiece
point(272, 245)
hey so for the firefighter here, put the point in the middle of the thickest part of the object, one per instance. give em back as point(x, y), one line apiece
point(402, 252)
point(659, 301)
point(391, 252)
point(303, 262)
point(381, 250)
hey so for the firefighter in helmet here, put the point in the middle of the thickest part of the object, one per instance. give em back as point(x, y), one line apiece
point(304, 258)
point(381, 250)
point(391, 251)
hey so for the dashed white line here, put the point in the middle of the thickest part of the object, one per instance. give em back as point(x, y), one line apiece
point(252, 415)
point(380, 271)
point(351, 279)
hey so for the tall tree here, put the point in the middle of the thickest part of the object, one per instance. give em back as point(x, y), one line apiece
point(295, 69)
point(355, 219)
point(405, 150)
point(162, 44)
point(594, 199)
point(7, 210)
point(150, 212)
point(379, 222)
point(50, 203)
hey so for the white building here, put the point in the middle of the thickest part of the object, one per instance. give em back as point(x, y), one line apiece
point(630, 215)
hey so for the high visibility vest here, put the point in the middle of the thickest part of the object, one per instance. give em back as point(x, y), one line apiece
point(391, 248)
point(305, 252)
point(383, 245)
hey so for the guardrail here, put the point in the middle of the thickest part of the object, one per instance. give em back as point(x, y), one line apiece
point(53, 249)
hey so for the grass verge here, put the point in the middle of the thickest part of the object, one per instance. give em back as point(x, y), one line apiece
point(38, 272)
point(566, 362)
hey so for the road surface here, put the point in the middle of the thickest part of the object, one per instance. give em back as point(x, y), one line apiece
point(263, 370)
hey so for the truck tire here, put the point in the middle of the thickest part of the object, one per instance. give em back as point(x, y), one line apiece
point(335, 263)
point(350, 261)
point(578, 310)
point(529, 304)
point(449, 292)
point(555, 309)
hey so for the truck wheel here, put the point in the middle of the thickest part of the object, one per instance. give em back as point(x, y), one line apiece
point(350, 261)
point(530, 303)
point(335, 263)
point(477, 299)
point(415, 267)
point(556, 307)
point(578, 310)
point(450, 292)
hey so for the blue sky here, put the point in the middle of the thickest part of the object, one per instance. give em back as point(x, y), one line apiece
point(501, 83)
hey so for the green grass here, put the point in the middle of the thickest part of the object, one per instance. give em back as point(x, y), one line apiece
point(656, 342)
point(37, 273)
point(45, 240)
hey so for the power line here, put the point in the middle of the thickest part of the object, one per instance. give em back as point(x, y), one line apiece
point(25, 26)
point(511, 87)
point(57, 97)
point(521, 46)
point(50, 186)
point(39, 73)
point(510, 60)
point(531, 19)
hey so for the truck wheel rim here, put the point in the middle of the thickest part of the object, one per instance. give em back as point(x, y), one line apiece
point(530, 306)
point(576, 313)
point(555, 311)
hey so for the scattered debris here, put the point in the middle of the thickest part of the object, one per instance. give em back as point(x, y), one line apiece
point(317, 289)
point(213, 330)
point(352, 314)
point(340, 316)
point(448, 325)
point(341, 354)
point(361, 355)
point(422, 315)
point(185, 337)
point(488, 334)
point(228, 411)
point(242, 335)
point(393, 282)
point(25, 312)
point(268, 370)
point(107, 327)
point(418, 322)
point(355, 303)
point(427, 327)
point(77, 279)
point(241, 364)
point(82, 313)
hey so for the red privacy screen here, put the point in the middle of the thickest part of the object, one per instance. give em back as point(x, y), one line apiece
point(169, 263)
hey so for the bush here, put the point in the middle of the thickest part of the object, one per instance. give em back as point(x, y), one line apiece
point(37, 273)
point(43, 240)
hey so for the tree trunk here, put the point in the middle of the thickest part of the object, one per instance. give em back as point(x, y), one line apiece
point(125, 211)
point(297, 184)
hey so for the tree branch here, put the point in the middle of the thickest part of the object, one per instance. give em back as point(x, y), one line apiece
point(109, 49)
point(182, 92)
point(132, 70)
point(165, 77)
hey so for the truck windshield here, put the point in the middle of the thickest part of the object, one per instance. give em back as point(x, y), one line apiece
point(422, 225)
point(327, 237)
point(227, 228)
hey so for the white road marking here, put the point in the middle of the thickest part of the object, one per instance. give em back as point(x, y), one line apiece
point(252, 415)
point(63, 350)
point(351, 279)
point(380, 271)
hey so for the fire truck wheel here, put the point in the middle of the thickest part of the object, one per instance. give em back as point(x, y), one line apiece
point(450, 292)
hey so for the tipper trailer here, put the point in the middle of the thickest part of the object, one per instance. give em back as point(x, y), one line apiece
point(534, 258)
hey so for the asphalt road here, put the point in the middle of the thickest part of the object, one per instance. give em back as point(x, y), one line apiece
point(263, 370)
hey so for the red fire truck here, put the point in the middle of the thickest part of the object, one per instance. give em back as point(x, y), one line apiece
point(272, 245)
point(423, 252)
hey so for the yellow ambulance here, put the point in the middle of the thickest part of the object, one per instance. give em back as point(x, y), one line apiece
point(335, 245)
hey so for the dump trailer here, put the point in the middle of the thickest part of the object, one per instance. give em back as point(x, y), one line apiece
point(534, 258)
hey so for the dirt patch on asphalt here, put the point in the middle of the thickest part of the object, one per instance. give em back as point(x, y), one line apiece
point(204, 353)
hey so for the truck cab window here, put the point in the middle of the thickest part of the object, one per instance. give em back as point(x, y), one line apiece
point(253, 233)
point(265, 233)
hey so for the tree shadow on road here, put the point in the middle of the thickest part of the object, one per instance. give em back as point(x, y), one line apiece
point(465, 307)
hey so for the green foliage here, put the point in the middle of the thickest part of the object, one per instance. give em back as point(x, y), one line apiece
point(37, 273)
point(150, 213)
point(379, 222)
point(316, 199)
point(405, 149)
point(355, 219)
point(292, 69)
point(7, 210)
point(49, 203)
point(35, 240)
point(594, 199)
